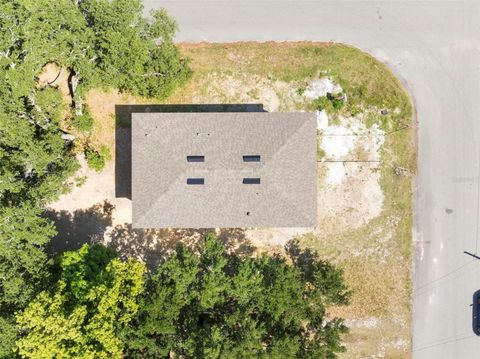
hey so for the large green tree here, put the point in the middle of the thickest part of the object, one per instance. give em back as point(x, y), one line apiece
point(23, 265)
point(94, 297)
point(34, 160)
point(101, 43)
point(216, 305)
point(23, 261)
point(132, 53)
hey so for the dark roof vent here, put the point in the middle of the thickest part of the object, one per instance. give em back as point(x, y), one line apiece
point(251, 158)
point(195, 158)
point(194, 181)
point(251, 181)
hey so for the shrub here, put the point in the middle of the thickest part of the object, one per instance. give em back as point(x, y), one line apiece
point(84, 122)
point(322, 103)
point(96, 160)
point(330, 103)
point(301, 91)
point(80, 181)
point(336, 100)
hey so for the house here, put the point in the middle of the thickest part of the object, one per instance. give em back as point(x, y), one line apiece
point(219, 170)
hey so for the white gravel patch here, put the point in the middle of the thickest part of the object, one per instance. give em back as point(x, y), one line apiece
point(369, 323)
point(322, 120)
point(339, 142)
point(402, 344)
point(349, 199)
point(337, 147)
point(336, 173)
point(351, 194)
point(320, 88)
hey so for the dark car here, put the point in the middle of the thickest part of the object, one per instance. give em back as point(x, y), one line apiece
point(476, 312)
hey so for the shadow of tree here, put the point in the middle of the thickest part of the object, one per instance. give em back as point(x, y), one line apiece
point(235, 241)
point(153, 246)
point(82, 226)
point(316, 270)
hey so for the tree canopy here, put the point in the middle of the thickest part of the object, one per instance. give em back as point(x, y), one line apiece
point(219, 305)
point(93, 298)
point(23, 265)
point(206, 304)
point(101, 43)
point(23, 261)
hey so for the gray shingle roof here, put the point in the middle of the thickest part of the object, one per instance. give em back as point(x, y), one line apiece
point(285, 197)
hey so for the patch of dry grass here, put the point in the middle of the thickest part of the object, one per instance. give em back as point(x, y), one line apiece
point(57, 77)
point(101, 104)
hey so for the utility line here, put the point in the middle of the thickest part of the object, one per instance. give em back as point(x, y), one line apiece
point(354, 161)
point(398, 129)
point(478, 207)
point(464, 333)
point(416, 291)
point(444, 342)
point(367, 134)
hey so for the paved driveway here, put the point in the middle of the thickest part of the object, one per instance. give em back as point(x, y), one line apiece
point(434, 48)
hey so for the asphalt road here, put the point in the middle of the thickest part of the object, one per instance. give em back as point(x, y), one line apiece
point(434, 48)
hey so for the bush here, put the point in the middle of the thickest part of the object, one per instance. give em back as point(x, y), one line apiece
point(96, 160)
point(330, 103)
point(322, 103)
point(84, 122)
point(336, 100)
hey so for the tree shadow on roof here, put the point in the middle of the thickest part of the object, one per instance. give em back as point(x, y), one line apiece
point(123, 134)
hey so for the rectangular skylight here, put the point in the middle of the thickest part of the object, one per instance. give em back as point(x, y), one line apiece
point(251, 181)
point(195, 181)
point(195, 158)
point(251, 158)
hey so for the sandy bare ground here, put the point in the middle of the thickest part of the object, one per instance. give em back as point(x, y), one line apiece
point(98, 188)
point(92, 214)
